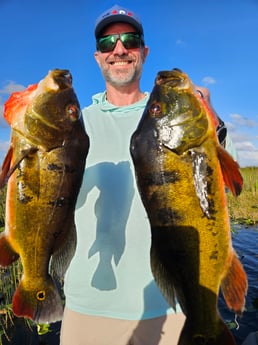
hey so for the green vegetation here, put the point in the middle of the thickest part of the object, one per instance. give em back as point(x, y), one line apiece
point(9, 278)
point(244, 208)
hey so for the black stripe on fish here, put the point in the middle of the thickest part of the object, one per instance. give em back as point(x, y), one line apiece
point(60, 202)
point(166, 216)
point(65, 168)
point(161, 178)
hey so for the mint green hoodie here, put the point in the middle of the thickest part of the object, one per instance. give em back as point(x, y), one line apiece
point(110, 273)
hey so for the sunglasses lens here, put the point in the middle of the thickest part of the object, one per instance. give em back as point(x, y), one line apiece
point(106, 44)
point(130, 40)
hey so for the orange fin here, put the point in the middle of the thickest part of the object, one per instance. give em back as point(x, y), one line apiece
point(4, 174)
point(17, 103)
point(208, 108)
point(8, 168)
point(7, 254)
point(42, 306)
point(234, 286)
point(230, 170)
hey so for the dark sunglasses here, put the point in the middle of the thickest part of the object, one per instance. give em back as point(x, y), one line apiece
point(129, 39)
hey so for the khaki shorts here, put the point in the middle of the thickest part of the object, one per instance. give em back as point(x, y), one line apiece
point(80, 329)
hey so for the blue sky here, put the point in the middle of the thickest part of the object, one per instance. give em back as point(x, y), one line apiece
point(214, 41)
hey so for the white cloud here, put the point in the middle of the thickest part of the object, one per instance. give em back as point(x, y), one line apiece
point(240, 120)
point(208, 80)
point(2, 120)
point(244, 139)
point(4, 145)
point(247, 150)
point(11, 87)
point(180, 42)
point(248, 158)
point(246, 146)
point(5, 91)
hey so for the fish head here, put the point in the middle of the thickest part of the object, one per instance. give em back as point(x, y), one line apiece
point(180, 117)
point(55, 103)
point(45, 112)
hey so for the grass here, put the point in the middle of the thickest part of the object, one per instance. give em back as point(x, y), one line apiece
point(244, 208)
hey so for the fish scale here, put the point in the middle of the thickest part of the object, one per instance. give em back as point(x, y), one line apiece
point(181, 171)
point(43, 170)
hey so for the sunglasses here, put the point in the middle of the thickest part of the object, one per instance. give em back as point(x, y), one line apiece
point(129, 39)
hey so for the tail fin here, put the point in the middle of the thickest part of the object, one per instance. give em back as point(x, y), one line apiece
point(42, 304)
point(234, 286)
point(7, 254)
point(217, 334)
point(104, 277)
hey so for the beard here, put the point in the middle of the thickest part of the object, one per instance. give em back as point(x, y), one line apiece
point(122, 77)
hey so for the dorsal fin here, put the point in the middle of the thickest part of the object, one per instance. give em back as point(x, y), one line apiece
point(17, 103)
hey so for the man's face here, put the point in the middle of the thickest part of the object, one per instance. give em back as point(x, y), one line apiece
point(121, 66)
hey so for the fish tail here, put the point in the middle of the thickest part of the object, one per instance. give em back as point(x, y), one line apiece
point(41, 304)
point(7, 254)
point(219, 335)
point(104, 277)
point(234, 285)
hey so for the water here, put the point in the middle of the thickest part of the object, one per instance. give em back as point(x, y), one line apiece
point(245, 242)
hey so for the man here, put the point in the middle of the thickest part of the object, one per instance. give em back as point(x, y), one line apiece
point(111, 297)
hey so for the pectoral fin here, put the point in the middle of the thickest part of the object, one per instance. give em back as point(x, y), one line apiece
point(7, 254)
point(230, 170)
point(4, 175)
point(8, 167)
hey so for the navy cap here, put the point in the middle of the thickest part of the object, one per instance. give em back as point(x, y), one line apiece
point(118, 14)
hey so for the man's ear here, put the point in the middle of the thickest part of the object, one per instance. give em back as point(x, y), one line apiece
point(146, 51)
point(96, 55)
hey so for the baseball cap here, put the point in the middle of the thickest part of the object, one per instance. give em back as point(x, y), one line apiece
point(118, 14)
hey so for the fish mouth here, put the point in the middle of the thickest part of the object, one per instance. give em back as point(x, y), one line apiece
point(174, 78)
point(57, 79)
point(62, 77)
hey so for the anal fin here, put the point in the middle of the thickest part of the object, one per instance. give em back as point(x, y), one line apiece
point(234, 286)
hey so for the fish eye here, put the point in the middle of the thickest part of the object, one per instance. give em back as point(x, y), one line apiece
point(73, 112)
point(155, 109)
point(41, 295)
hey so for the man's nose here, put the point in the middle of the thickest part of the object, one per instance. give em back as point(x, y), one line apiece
point(119, 48)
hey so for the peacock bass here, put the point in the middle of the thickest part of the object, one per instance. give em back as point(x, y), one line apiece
point(181, 172)
point(43, 170)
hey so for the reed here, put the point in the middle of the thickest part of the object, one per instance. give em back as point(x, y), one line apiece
point(244, 208)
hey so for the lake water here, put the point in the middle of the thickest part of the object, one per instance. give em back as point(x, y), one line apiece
point(245, 242)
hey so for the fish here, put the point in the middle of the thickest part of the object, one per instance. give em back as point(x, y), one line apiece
point(43, 170)
point(182, 173)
